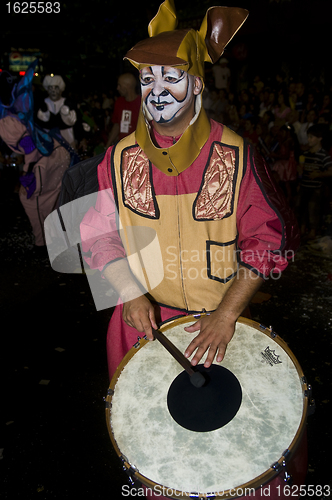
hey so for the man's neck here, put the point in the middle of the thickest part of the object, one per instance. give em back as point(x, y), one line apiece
point(172, 129)
point(167, 130)
point(131, 96)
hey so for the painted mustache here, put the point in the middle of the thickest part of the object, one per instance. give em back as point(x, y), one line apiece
point(160, 105)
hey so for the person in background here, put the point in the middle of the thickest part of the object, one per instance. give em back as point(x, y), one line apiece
point(326, 108)
point(316, 167)
point(126, 109)
point(45, 160)
point(302, 133)
point(222, 75)
point(217, 106)
point(250, 133)
point(57, 112)
point(300, 91)
point(285, 159)
point(293, 120)
point(281, 110)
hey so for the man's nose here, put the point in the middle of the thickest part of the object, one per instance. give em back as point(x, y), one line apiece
point(159, 90)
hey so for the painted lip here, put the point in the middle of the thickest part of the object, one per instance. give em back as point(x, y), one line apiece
point(160, 106)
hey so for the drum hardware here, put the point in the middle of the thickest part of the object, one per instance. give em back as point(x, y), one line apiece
point(137, 343)
point(288, 478)
point(308, 394)
point(110, 393)
point(311, 402)
point(273, 334)
point(277, 466)
point(308, 391)
point(130, 470)
point(282, 467)
point(202, 313)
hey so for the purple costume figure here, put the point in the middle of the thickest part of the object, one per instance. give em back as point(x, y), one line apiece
point(45, 160)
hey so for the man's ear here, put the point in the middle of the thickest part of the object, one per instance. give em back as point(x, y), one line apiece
point(198, 85)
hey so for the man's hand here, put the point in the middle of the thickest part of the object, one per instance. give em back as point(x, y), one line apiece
point(139, 313)
point(217, 329)
point(215, 333)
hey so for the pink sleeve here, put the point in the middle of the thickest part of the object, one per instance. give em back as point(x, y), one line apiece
point(101, 243)
point(268, 232)
point(11, 131)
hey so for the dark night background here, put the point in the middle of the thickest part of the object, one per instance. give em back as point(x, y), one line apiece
point(53, 437)
point(89, 41)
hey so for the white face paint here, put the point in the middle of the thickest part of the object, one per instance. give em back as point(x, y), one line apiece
point(167, 92)
point(54, 92)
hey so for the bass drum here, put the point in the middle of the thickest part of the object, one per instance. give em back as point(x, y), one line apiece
point(257, 453)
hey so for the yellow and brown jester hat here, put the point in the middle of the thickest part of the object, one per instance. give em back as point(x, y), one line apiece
point(185, 49)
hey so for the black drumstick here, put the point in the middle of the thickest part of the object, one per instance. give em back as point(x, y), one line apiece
point(196, 377)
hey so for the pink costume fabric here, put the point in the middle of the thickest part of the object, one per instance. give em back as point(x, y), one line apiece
point(48, 171)
point(263, 226)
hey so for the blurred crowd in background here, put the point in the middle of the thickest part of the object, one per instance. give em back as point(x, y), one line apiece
point(274, 115)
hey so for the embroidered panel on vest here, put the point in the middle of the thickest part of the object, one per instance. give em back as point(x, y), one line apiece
point(137, 190)
point(216, 195)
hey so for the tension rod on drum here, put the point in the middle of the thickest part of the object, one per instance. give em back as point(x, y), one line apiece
point(196, 377)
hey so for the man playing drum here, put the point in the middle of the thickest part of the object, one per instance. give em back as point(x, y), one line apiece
point(221, 224)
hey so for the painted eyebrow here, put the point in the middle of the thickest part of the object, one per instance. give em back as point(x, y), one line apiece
point(147, 68)
point(163, 72)
point(146, 75)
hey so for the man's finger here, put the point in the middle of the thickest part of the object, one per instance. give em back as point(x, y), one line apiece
point(192, 346)
point(210, 356)
point(193, 328)
point(146, 326)
point(221, 353)
point(152, 318)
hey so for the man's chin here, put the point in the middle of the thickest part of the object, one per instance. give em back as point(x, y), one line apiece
point(163, 118)
point(162, 121)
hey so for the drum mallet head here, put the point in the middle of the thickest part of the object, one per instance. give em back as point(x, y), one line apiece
point(197, 379)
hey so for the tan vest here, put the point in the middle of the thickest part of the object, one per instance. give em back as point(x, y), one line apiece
point(182, 249)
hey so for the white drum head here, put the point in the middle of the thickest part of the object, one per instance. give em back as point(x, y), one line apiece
point(270, 417)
